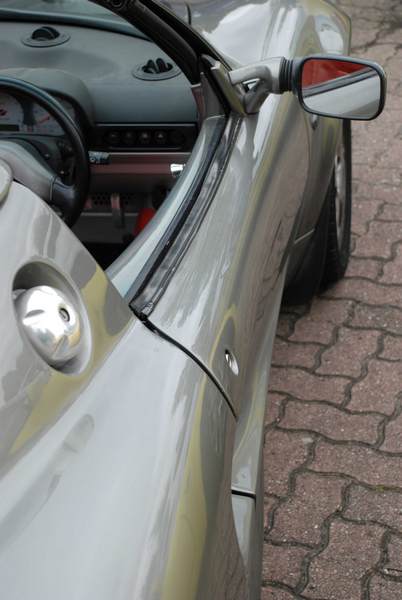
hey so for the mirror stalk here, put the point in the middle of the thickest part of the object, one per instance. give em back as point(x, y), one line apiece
point(272, 76)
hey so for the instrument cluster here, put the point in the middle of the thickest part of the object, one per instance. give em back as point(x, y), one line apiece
point(22, 115)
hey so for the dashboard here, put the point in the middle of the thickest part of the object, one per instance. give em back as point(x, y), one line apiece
point(136, 110)
point(124, 91)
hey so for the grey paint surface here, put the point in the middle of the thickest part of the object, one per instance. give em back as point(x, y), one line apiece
point(103, 493)
point(247, 235)
point(117, 476)
point(251, 30)
point(269, 189)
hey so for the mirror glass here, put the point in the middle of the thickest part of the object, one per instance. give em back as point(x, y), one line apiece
point(339, 88)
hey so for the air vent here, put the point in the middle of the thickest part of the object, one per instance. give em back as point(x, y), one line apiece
point(45, 37)
point(156, 69)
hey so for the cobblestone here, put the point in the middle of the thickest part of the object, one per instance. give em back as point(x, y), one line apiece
point(299, 519)
point(331, 422)
point(393, 566)
point(333, 456)
point(363, 464)
point(283, 563)
point(274, 404)
point(374, 505)
point(392, 348)
point(292, 354)
point(364, 267)
point(378, 391)
point(319, 324)
point(393, 436)
point(336, 572)
point(307, 386)
point(284, 453)
point(384, 318)
point(270, 593)
point(385, 589)
point(346, 355)
point(392, 272)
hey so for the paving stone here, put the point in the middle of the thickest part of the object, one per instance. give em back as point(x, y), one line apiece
point(359, 321)
point(295, 354)
point(393, 565)
point(305, 386)
point(364, 212)
point(270, 593)
point(363, 38)
point(282, 564)
point(392, 271)
point(393, 436)
point(384, 507)
point(384, 193)
point(363, 464)
point(379, 239)
point(351, 349)
point(284, 452)
point(273, 407)
point(336, 572)
point(383, 589)
point(270, 503)
point(367, 292)
point(330, 421)
point(301, 517)
point(381, 52)
point(363, 267)
point(379, 176)
point(380, 317)
point(392, 348)
point(392, 212)
point(378, 391)
point(319, 324)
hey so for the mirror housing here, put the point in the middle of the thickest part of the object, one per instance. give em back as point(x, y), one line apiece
point(333, 86)
point(339, 87)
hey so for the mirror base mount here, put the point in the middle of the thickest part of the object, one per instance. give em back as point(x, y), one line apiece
point(272, 76)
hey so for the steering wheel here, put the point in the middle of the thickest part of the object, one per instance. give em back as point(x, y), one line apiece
point(31, 170)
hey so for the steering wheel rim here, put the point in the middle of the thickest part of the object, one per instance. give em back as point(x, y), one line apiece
point(69, 199)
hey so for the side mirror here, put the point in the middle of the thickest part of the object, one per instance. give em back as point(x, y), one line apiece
point(332, 86)
point(340, 87)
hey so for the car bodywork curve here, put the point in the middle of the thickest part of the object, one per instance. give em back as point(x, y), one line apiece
point(132, 477)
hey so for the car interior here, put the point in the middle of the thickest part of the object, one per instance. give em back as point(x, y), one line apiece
point(138, 113)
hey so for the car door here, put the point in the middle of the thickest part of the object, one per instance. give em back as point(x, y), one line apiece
point(115, 479)
point(222, 298)
point(222, 301)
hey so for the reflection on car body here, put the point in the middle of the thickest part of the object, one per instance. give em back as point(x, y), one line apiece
point(155, 208)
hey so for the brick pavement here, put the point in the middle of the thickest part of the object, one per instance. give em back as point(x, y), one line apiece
point(333, 455)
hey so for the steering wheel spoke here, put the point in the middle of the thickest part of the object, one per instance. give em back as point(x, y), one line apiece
point(27, 165)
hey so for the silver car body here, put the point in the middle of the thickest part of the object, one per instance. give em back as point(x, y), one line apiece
point(140, 475)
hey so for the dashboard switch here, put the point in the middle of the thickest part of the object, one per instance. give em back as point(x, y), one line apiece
point(99, 158)
point(161, 138)
point(113, 138)
point(176, 138)
point(129, 138)
point(145, 138)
